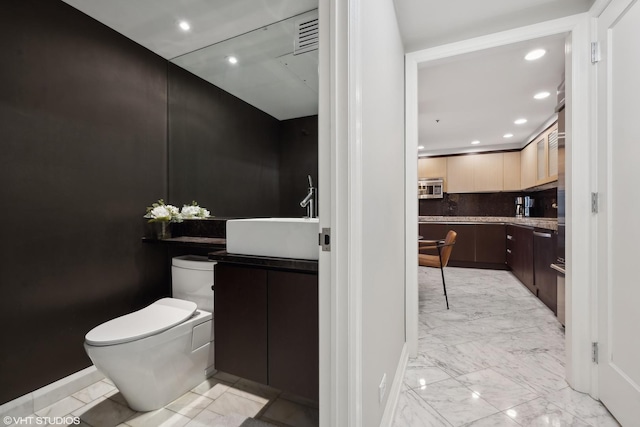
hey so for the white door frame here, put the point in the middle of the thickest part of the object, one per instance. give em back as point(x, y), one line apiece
point(340, 195)
point(580, 283)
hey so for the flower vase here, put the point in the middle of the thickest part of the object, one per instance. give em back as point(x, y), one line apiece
point(162, 230)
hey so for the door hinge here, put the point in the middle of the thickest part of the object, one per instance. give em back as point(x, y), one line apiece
point(324, 239)
point(594, 203)
point(594, 352)
point(595, 52)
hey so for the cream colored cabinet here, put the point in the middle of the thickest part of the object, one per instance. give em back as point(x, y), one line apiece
point(475, 173)
point(488, 172)
point(547, 156)
point(460, 174)
point(528, 166)
point(511, 172)
point(433, 167)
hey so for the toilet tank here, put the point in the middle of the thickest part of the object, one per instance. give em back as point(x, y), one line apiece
point(192, 279)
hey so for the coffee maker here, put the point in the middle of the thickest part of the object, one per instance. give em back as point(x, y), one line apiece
point(519, 207)
point(528, 206)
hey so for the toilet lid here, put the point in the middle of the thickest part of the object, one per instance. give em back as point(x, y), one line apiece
point(153, 319)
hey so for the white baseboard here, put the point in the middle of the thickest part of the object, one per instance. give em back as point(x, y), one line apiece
point(396, 388)
point(51, 393)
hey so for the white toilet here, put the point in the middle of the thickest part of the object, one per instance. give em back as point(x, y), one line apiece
point(158, 353)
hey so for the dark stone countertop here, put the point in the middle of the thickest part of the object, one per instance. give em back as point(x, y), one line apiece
point(192, 241)
point(300, 265)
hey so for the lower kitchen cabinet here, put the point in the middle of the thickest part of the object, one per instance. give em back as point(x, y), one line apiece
point(544, 254)
point(477, 245)
point(519, 243)
point(266, 326)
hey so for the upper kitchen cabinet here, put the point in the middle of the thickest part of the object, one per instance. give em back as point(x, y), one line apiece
point(539, 159)
point(433, 167)
point(475, 173)
point(511, 173)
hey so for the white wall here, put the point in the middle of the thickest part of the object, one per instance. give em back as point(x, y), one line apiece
point(383, 218)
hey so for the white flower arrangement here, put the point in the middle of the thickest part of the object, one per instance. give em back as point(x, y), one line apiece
point(160, 212)
point(193, 211)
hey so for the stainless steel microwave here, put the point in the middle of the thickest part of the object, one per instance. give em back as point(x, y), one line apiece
point(430, 188)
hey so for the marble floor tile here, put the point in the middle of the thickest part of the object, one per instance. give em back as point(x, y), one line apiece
point(230, 403)
point(496, 389)
point(104, 412)
point(413, 411)
point(495, 420)
point(455, 402)
point(207, 418)
point(419, 375)
point(583, 406)
point(292, 414)
point(61, 408)
point(211, 388)
point(189, 404)
point(159, 418)
point(542, 413)
point(94, 391)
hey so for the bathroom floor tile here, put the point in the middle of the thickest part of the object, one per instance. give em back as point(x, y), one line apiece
point(61, 408)
point(413, 411)
point(495, 420)
point(159, 418)
point(104, 412)
point(189, 404)
point(496, 389)
point(211, 388)
point(540, 412)
point(206, 418)
point(223, 376)
point(583, 406)
point(230, 403)
point(94, 391)
point(254, 391)
point(291, 414)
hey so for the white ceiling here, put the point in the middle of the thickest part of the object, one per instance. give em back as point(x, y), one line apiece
point(428, 23)
point(478, 96)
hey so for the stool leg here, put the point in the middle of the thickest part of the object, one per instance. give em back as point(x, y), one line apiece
point(444, 286)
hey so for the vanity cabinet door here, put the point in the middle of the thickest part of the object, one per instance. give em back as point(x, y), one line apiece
point(293, 333)
point(240, 324)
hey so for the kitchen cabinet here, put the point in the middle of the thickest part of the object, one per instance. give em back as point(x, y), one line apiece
point(477, 245)
point(528, 166)
point(544, 254)
point(547, 156)
point(488, 172)
point(511, 172)
point(460, 174)
point(266, 326)
point(519, 248)
point(433, 167)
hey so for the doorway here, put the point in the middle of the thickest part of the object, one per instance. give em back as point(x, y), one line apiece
point(578, 168)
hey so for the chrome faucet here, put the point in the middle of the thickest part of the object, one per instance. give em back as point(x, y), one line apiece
point(310, 201)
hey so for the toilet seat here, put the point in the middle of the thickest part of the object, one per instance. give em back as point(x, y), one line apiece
point(153, 319)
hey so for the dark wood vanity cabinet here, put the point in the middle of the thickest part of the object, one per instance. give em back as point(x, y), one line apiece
point(240, 321)
point(266, 326)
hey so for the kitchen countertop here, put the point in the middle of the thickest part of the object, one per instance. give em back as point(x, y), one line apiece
point(546, 223)
point(300, 265)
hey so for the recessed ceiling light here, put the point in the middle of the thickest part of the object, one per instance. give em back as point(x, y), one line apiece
point(535, 54)
point(184, 25)
point(476, 142)
point(232, 59)
point(420, 147)
point(507, 135)
point(541, 95)
point(520, 121)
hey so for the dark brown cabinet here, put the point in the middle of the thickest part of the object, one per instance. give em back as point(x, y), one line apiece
point(266, 326)
point(544, 254)
point(519, 243)
point(477, 245)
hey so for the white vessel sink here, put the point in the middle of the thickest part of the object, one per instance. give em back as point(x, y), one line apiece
point(274, 237)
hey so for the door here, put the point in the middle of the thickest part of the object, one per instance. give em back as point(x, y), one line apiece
point(618, 225)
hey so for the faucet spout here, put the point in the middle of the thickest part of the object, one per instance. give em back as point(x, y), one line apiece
point(309, 201)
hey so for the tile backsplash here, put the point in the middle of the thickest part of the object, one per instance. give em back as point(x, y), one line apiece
point(489, 204)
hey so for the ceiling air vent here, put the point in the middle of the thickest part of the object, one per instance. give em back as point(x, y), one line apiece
point(306, 36)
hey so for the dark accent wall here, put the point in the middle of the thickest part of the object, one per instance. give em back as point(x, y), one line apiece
point(83, 151)
point(298, 159)
point(223, 152)
point(489, 204)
